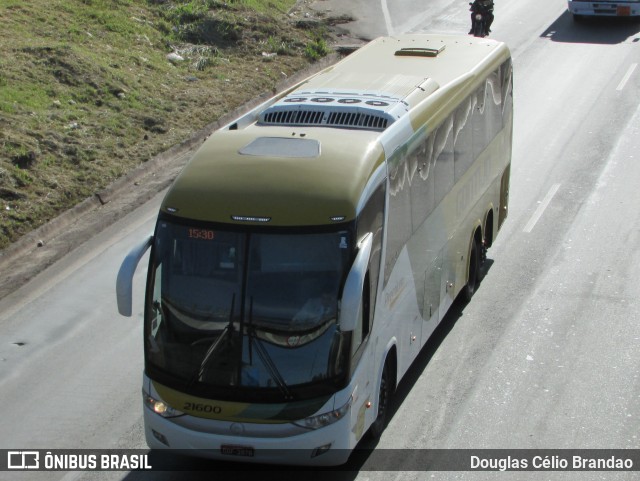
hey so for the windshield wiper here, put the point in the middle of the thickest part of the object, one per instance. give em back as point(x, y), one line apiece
point(226, 332)
point(264, 355)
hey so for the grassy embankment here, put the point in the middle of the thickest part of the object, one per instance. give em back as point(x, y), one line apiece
point(87, 91)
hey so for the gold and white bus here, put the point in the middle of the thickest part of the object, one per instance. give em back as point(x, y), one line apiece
point(309, 249)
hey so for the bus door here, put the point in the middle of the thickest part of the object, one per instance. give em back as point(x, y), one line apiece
point(363, 360)
point(356, 316)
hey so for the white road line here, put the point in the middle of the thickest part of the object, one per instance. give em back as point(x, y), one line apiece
point(541, 208)
point(627, 76)
point(387, 17)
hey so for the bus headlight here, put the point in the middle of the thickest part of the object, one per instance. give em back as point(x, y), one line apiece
point(325, 419)
point(160, 407)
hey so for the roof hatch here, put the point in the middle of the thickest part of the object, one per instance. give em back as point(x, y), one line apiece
point(420, 51)
point(282, 147)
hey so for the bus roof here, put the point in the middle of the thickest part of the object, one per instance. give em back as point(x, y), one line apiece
point(308, 156)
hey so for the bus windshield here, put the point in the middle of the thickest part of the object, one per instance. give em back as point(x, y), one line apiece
point(234, 309)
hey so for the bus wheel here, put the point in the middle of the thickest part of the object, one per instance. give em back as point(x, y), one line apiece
point(474, 272)
point(384, 404)
point(482, 262)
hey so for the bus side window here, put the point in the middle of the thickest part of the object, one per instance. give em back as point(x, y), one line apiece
point(462, 153)
point(443, 160)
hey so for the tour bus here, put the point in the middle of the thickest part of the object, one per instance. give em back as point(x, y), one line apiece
point(307, 251)
point(606, 8)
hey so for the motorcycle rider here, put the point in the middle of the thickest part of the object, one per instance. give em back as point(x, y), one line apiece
point(485, 7)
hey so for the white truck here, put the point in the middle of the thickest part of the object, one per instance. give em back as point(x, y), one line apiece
point(605, 8)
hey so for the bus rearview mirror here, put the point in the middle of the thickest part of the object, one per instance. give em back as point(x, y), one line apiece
point(124, 282)
point(352, 293)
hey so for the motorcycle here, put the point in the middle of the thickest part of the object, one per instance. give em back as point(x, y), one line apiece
point(480, 23)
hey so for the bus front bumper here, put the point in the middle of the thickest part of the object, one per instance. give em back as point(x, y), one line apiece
point(327, 446)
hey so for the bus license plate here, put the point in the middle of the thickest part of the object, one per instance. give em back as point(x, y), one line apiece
point(623, 11)
point(236, 450)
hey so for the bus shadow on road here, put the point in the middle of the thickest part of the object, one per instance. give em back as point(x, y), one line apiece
point(594, 30)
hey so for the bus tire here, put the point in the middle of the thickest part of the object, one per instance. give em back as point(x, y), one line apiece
point(474, 273)
point(482, 263)
point(384, 404)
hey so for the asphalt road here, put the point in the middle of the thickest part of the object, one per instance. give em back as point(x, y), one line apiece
point(545, 356)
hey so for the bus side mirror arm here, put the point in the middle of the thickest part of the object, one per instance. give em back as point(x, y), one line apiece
point(124, 282)
point(351, 304)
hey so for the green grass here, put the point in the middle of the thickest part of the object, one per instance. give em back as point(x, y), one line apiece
point(87, 92)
